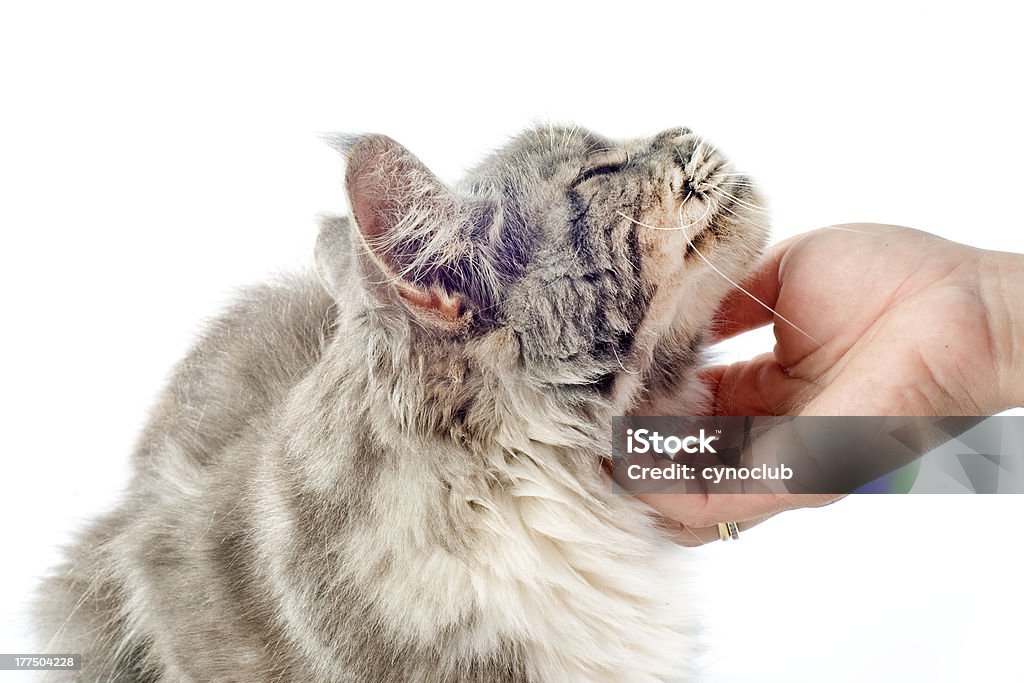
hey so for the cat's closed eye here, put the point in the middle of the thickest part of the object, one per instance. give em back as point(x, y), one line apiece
point(601, 163)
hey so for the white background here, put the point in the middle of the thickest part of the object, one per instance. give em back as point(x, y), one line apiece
point(152, 161)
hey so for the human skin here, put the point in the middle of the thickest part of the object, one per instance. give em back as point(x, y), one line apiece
point(869, 320)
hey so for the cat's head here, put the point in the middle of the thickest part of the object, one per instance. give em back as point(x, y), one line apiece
point(566, 261)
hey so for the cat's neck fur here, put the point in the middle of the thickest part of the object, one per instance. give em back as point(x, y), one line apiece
point(513, 492)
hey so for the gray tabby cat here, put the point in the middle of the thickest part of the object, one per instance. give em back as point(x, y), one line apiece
point(392, 470)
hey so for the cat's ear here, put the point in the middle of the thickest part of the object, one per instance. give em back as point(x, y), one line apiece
point(334, 253)
point(412, 224)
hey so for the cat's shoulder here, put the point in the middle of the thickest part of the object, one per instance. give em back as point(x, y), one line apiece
point(243, 365)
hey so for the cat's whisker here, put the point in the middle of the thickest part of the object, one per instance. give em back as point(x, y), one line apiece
point(734, 178)
point(723, 193)
point(734, 183)
point(841, 229)
point(692, 533)
point(763, 304)
point(621, 365)
point(707, 213)
point(724, 202)
point(696, 158)
point(738, 180)
point(682, 204)
point(745, 220)
point(650, 227)
point(727, 278)
point(760, 209)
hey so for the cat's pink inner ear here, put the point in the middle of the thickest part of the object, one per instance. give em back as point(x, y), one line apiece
point(447, 306)
point(374, 204)
point(385, 182)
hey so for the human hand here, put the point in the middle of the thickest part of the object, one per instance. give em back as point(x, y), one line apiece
point(869, 320)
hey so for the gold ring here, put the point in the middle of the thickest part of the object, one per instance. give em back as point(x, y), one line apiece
point(728, 530)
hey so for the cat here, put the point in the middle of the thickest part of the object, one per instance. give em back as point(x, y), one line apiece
point(390, 468)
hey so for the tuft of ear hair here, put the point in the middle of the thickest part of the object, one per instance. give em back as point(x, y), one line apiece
point(413, 226)
point(341, 142)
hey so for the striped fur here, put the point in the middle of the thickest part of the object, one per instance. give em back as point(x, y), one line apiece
point(390, 470)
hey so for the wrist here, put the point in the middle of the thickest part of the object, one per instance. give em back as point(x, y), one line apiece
point(1003, 292)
